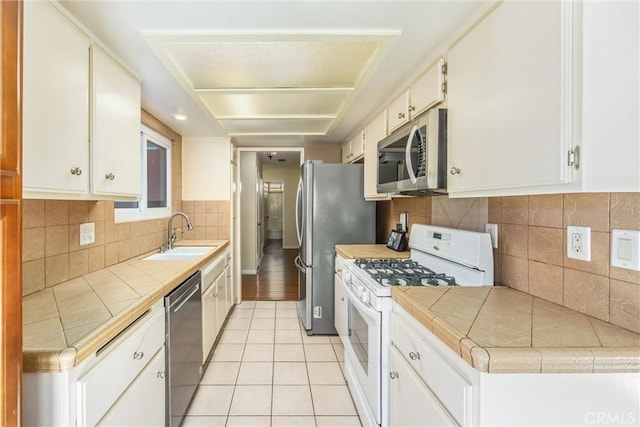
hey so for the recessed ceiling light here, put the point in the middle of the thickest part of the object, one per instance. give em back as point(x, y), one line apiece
point(179, 116)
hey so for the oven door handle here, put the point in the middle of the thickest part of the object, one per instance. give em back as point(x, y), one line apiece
point(370, 312)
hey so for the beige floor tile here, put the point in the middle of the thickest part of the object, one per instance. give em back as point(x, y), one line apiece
point(245, 305)
point(338, 348)
point(292, 400)
point(258, 353)
point(289, 305)
point(285, 323)
point(286, 313)
point(234, 336)
point(248, 421)
point(315, 339)
point(255, 373)
point(287, 336)
point(238, 323)
point(221, 373)
point(241, 314)
point(261, 336)
point(212, 400)
point(337, 421)
point(251, 400)
point(328, 373)
point(335, 339)
point(319, 353)
point(204, 421)
point(264, 313)
point(332, 400)
point(292, 421)
point(265, 304)
point(290, 373)
point(263, 324)
point(289, 353)
point(228, 353)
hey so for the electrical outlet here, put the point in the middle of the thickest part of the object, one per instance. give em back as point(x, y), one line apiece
point(579, 243)
point(87, 233)
point(492, 229)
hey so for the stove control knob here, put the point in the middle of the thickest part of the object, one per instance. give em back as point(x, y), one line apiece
point(364, 297)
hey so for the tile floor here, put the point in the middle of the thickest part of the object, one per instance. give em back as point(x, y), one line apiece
point(265, 371)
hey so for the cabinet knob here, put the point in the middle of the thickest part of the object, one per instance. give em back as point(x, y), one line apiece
point(393, 375)
point(412, 108)
point(138, 355)
point(76, 171)
point(110, 176)
point(401, 115)
point(414, 356)
point(160, 374)
point(454, 171)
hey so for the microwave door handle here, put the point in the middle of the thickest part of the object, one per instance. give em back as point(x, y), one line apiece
point(407, 154)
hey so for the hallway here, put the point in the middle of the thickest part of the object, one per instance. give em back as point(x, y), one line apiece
point(277, 279)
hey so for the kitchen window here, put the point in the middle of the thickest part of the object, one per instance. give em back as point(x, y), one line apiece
point(155, 185)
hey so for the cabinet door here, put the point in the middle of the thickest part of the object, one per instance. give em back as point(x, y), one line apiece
point(428, 90)
point(55, 102)
point(399, 111)
point(143, 403)
point(340, 307)
point(116, 128)
point(346, 151)
point(229, 287)
point(209, 320)
point(411, 403)
point(357, 147)
point(221, 301)
point(510, 101)
point(373, 133)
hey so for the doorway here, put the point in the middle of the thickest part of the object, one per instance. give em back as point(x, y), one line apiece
point(274, 213)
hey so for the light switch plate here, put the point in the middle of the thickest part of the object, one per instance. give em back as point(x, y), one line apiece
point(579, 243)
point(625, 249)
point(87, 233)
point(404, 220)
point(492, 229)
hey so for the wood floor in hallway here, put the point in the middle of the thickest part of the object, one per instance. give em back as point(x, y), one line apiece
point(277, 279)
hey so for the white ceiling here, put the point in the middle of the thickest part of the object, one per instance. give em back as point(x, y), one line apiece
point(282, 159)
point(271, 73)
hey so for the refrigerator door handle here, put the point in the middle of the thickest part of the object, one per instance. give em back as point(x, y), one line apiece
point(298, 212)
point(300, 265)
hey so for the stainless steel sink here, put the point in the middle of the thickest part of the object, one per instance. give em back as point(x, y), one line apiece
point(180, 253)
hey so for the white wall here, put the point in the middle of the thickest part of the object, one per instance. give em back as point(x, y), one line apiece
point(290, 177)
point(206, 166)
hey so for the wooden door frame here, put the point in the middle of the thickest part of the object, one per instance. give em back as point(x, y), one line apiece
point(11, 212)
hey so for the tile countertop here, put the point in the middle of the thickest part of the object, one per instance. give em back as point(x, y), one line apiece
point(64, 324)
point(370, 251)
point(499, 329)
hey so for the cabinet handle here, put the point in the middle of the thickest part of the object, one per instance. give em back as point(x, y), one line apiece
point(454, 171)
point(76, 171)
point(110, 176)
point(138, 355)
point(160, 374)
point(394, 375)
point(339, 270)
point(412, 108)
point(401, 115)
point(414, 356)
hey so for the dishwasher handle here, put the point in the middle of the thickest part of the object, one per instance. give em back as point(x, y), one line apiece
point(183, 300)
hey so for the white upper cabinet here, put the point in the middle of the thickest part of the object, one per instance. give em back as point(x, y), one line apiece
point(81, 113)
point(399, 111)
point(374, 132)
point(353, 150)
point(55, 102)
point(116, 128)
point(428, 90)
point(510, 99)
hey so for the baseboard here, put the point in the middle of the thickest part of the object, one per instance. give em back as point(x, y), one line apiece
point(253, 272)
point(291, 247)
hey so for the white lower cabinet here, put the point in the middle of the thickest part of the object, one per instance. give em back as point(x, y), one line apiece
point(209, 320)
point(411, 402)
point(138, 406)
point(216, 300)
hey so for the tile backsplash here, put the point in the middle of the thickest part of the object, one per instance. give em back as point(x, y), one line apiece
point(531, 256)
point(210, 219)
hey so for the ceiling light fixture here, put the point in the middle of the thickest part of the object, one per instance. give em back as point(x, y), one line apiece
point(270, 154)
point(179, 116)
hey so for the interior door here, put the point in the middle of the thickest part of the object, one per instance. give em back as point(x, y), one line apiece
point(275, 205)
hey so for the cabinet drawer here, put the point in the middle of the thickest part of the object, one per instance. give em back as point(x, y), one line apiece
point(99, 388)
point(453, 390)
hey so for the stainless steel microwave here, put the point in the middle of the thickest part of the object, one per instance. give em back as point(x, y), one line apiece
point(413, 159)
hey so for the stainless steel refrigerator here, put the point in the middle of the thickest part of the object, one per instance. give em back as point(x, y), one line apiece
point(331, 210)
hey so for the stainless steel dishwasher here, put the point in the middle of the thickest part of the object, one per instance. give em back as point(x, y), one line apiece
point(183, 308)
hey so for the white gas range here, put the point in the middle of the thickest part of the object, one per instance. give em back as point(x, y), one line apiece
point(439, 257)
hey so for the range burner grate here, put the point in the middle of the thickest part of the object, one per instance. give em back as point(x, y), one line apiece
point(403, 272)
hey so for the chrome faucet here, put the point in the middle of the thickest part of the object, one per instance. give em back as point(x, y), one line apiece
point(171, 232)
